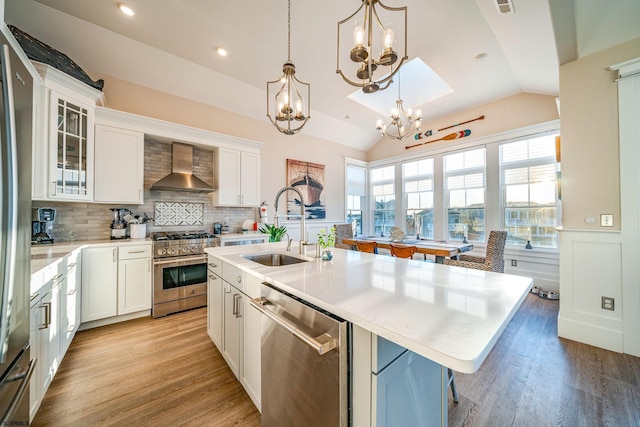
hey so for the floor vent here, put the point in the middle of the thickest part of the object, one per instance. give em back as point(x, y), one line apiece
point(504, 6)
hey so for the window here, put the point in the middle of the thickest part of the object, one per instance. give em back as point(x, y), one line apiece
point(417, 180)
point(356, 192)
point(464, 177)
point(384, 199)
point(528, 181)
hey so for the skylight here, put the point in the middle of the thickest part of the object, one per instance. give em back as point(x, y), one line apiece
point(419, 85)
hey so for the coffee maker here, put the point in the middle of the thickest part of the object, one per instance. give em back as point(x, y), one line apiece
point(42, 226)
point(119, 225)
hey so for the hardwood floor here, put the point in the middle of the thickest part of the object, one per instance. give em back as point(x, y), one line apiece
point(146, 372)
point(167, 372)
point(533, 378)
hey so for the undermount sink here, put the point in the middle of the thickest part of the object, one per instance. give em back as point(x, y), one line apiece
point(274, 260)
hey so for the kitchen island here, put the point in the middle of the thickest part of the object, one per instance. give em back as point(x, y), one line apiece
point(449, 316)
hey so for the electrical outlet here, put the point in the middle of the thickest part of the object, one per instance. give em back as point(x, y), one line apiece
point(514, 263)
point(608, 303)
point(226, 219)
point(606, 220)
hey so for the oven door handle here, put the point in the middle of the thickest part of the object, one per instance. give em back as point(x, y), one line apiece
point(181, 260)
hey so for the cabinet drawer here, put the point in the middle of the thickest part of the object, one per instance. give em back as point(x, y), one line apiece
point(233, 275)
point(215, 265)
point(134, 251)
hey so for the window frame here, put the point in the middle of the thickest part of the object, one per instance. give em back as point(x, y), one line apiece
point(494, 200)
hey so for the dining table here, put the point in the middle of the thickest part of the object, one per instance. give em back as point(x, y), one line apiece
point(439, 249)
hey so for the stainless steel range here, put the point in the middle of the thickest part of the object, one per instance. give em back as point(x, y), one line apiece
point(180, 270)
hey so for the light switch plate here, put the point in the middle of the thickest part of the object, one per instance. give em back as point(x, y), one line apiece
point(606, 220)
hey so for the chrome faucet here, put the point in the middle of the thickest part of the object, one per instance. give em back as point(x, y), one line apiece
point(289, 240)
point(303, 242)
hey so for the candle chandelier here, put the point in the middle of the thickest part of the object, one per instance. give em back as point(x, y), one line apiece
point(374, 45)
point(291, 110)
point(401, 123)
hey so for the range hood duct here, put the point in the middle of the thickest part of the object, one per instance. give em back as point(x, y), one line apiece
point(181, 177)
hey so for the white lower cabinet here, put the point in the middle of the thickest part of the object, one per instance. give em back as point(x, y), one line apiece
point(214, 304)
point(99, 283)
point(251, 341)
point(134, 279)
point(70, 301)
point(233, 325)
point(54, 320)
point(115, 281)
point(232, 322)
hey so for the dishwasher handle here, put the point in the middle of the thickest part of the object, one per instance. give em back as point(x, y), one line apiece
point(323, 343)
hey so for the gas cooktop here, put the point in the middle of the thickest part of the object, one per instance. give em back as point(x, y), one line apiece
point(175, 244)
point(186, 235)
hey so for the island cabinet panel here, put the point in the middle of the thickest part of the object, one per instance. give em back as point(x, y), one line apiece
point(214, 306)
point(233, 324)
point(232, 327)
point(394, 386)
point(251, 341)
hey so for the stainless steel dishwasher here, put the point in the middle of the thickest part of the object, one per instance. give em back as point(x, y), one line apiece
point(304, 363)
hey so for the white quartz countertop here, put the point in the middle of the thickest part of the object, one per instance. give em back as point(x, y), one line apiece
point(43, 256)
point(451, 315)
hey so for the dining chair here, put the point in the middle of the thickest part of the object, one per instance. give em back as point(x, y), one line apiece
point(369, 247)
point(402, 251)
point(343, 231)
point(492, 261)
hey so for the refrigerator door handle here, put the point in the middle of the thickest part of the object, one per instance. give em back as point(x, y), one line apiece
point(9, 209)
point(20, 394)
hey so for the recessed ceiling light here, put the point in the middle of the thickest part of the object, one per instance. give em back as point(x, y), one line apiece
point(481, 57)
point(125, 9)
point(221, 51)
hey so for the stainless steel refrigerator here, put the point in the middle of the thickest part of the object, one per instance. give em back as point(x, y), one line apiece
point(16, 117)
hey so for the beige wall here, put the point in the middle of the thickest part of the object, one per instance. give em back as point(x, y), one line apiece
point(503, 115)
point(125, 96)
point(589, 130)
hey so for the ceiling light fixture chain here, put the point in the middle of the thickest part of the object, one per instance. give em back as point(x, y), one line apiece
point(401, 123)
point(291, 109)
point(364, 55)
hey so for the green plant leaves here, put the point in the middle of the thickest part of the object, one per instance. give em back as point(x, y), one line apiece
point(275, 233)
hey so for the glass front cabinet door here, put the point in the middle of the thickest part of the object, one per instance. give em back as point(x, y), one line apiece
point(71, 168)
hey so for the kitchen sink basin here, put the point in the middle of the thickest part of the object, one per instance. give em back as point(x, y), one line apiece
point(274, 260)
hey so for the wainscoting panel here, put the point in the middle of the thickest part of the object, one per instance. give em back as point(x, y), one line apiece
point(590, 269)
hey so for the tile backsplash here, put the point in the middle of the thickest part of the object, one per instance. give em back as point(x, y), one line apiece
point(91, 221)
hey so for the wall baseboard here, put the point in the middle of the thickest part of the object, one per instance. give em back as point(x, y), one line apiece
point(588, 333)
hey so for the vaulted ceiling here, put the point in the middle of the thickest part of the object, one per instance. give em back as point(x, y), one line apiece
point(170, 45)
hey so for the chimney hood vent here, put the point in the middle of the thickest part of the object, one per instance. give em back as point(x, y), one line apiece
point(181, 177)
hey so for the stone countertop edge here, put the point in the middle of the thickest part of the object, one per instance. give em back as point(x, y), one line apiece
point(450, 315)
point(44, 255)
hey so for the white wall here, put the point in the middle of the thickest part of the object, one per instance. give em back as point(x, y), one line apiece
point(592, 256)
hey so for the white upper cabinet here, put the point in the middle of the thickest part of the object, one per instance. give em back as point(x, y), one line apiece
point(119, 166)
point(238, 178)
point(63, 156)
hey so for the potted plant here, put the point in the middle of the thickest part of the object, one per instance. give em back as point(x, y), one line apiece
point(326, 240)
point(275, 233)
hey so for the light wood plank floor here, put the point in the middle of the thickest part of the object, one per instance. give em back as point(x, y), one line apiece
point(166, 372)
point(146, 372)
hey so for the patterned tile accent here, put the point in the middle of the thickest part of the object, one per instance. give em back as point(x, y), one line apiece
point(170, 213)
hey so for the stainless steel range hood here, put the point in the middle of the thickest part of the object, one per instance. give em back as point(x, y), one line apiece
point(181, 177)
